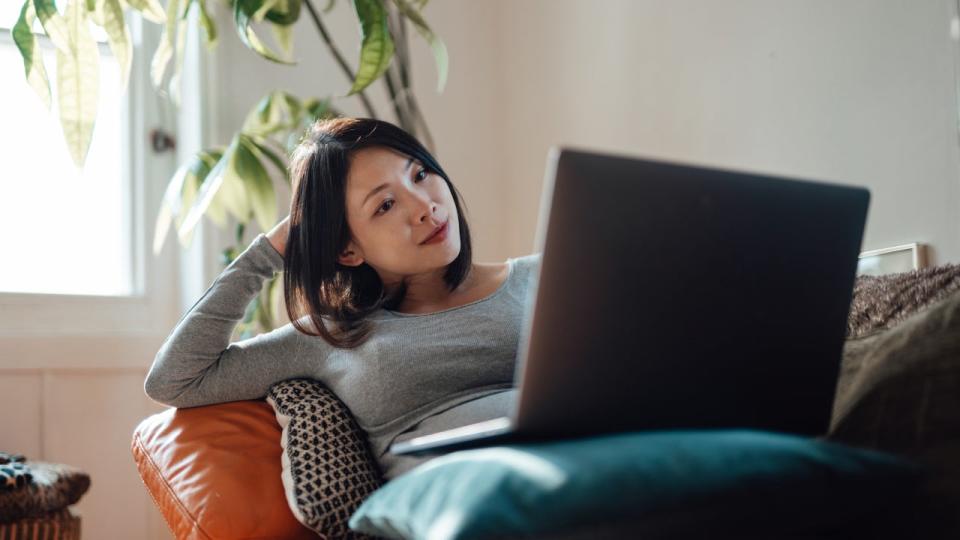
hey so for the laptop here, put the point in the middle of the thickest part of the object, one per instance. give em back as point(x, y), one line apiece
point(678, 296)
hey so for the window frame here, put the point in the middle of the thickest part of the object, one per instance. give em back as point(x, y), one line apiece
point(42, 330)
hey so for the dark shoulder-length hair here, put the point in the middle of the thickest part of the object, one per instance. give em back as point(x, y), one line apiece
point(316, 285)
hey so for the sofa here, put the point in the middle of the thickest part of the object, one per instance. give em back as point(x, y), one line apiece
point(217, 471)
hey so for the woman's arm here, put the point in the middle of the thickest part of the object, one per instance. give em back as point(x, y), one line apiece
point(197, 364)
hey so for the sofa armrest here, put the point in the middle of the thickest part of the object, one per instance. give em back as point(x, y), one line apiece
point(214, 471)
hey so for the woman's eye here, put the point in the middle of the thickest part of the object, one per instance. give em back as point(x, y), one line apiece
point(421, 175)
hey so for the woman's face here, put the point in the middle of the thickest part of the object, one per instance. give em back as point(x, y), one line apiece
point(393, 205)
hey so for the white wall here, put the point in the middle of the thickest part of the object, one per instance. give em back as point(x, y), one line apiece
point(854, 91)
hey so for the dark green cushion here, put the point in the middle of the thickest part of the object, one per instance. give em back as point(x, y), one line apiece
point(649, 477)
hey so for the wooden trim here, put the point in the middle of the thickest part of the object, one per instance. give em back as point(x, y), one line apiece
point(79, 352)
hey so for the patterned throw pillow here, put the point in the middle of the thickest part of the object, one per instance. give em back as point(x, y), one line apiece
point(54, 486)
point(881, 302)
point(328, 469)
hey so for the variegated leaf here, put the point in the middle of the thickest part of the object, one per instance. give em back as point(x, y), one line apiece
point(53, 24)
point(78, 83)
point(161, 57)
point(152, 10)
point(111, 13)
point(377, 48)
point(436, 44)
point(29, 48)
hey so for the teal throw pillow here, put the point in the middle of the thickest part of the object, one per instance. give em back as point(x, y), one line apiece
point(656, 481)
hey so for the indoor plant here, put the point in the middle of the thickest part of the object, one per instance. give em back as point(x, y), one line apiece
point(232, 180)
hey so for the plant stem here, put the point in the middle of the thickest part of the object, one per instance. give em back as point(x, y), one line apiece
point(406, 90)
point(398, 81)
point(403, 117)
point(405, 67)
point(339, 57)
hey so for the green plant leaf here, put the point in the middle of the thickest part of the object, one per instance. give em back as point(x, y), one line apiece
point(265, 151)
point(277, 111)
point(243, 12)
point(180, 195)
point(221, 188)
point(313, 110)
point(53, 24)
point(265, 312)
point(294, 107)
point(201, 169)
point(95, 15)
point(436, 44)
point(262, 9)
point(249, 315)
point(30, 51)
point(78, 83)
point(246, 165)
point(284, 36)
point(277, 304)
point(164, 51)
point(317, 109)
point(285, 13)
point(376, 49)
point(233, 194)
point(208, 25)
point(111, 13)
point(265, 116)
point(215, 211)
point(151, 9)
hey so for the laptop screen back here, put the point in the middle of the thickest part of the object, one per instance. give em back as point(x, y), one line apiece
point(679, 296)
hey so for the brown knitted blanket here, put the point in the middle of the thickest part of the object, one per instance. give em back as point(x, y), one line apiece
point(881, 302)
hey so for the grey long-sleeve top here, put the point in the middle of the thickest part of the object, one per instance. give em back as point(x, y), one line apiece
point(414, 375)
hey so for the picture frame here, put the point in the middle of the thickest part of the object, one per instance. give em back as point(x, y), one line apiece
point(893, 260)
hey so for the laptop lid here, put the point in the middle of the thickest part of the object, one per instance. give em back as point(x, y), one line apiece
point(683, 296)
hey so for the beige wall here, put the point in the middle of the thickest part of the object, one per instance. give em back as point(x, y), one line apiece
point(856, 91)
point(465, 121)
point(859, 91)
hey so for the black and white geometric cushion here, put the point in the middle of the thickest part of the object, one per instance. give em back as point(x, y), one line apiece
point(328, 469)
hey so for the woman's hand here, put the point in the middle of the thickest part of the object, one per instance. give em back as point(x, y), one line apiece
point(278, 235)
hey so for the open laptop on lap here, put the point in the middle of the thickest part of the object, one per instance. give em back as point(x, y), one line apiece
point(678, 296)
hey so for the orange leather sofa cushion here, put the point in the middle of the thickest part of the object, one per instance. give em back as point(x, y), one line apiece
point(214, 471)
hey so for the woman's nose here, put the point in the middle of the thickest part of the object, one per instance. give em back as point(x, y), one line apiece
point(426, 207)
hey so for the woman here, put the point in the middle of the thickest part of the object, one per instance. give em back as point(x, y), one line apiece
point(388, 309)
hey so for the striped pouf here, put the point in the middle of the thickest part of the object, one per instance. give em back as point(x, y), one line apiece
point(60, 525)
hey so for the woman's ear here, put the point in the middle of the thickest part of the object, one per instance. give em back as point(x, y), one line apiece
point(350, 257)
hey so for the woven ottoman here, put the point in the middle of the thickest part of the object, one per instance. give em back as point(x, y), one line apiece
point(59, 525)
point(40, 509)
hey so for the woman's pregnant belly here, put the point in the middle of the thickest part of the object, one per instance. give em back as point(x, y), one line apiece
point(469, 412)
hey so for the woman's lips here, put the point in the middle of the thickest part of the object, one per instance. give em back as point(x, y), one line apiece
point(439, 236)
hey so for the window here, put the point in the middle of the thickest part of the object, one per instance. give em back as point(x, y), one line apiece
point(79, 284)
point(54, 212)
